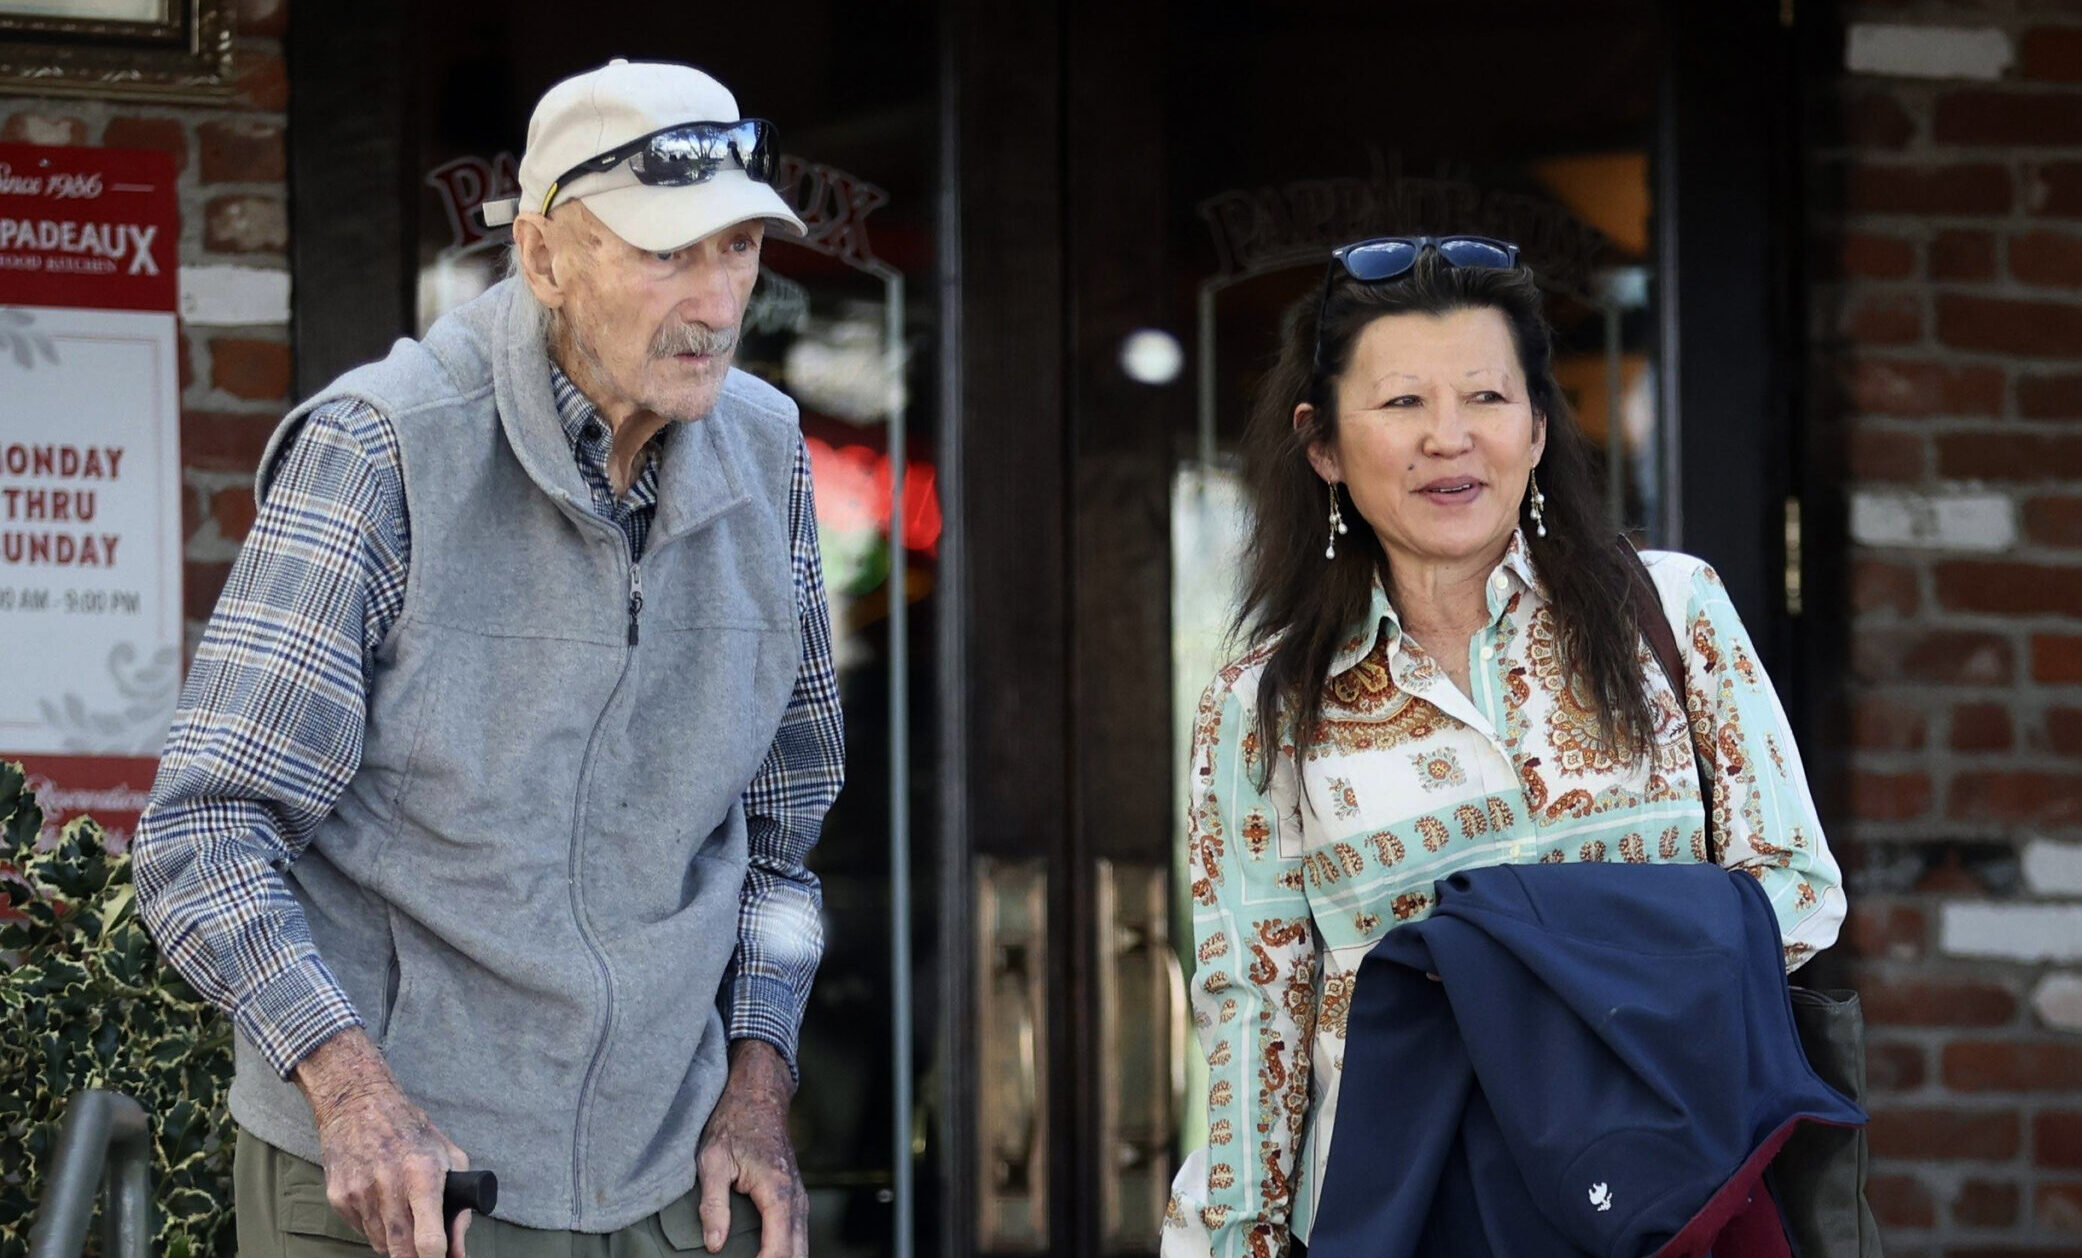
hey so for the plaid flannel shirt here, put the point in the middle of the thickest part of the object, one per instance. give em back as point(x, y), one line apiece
point(272, 717)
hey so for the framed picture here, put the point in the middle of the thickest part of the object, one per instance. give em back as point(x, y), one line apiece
point(155, 49)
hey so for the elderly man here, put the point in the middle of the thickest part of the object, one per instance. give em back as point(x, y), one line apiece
point(486, 809)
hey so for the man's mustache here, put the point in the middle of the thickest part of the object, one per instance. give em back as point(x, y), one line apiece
point(692, 338)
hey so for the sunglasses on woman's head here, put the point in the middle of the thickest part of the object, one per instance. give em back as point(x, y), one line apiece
point(1392, 257)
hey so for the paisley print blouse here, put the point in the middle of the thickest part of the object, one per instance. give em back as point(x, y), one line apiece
point(1405, 781)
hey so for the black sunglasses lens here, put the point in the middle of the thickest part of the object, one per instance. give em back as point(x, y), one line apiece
point(673, 158)
point(755, 151)
point(1381, 260)
point(1482, 253)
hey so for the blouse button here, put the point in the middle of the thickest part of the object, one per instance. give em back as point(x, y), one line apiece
point(1489, 653)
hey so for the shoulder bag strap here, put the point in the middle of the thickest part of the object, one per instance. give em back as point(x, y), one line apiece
point(1655, 626)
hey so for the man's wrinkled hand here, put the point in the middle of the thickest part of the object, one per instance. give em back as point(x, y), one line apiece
point(385, 1161)
point(746, 1148)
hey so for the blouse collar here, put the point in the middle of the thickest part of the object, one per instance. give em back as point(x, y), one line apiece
point(1513, 573)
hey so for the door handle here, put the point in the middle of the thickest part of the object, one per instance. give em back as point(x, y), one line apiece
point(1011, 1137)
point(1142, 1032)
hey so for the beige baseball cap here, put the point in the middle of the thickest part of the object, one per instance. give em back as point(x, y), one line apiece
point(623, 101)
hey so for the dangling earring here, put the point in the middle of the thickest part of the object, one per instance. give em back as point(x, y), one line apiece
point(1337, 525)
point(1539, 504)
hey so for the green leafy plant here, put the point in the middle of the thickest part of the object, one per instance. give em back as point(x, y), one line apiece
point(85, 1003)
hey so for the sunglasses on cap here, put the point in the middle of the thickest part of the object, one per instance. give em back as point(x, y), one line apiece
point(1391, 257)
point(683, 154)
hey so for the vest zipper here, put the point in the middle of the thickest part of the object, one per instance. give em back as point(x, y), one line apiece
point(578, 910)
point(635, 598)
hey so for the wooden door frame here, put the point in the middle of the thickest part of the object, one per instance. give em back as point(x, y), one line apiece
point(1047, 453)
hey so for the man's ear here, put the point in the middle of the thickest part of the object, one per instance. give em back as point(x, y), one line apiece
point(536, 249)
point(1321, 454)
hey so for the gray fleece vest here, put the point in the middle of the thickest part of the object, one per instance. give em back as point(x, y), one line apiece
point(530, 888)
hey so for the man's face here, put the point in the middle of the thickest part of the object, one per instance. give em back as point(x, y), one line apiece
point(656, 331)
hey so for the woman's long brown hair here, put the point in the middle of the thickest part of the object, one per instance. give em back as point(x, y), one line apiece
point(1305, 604)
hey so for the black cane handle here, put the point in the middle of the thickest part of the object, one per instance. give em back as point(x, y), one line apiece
point(468, 1190)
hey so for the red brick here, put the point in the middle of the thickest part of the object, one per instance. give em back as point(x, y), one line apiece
point(184, 360)
point(1927, 1001)
point(1876, 120)
point(1907, 387)
point(2064, 731)
point(1879, 724)
point(1948, 875)
point(246, 224)
point(261, 17)
point(167, 135)
point(31, 127)
point(2055, 189)
point(259, 370)
point(192, 513)
point(225, 442)
point(233, 510)
point(2050, 396)
point(1883, 319)
point(1982, 727)
point(1952, 1135)
point(2047, 258)
point(200, 585)
point(2051, 54)
point(1893, 1067)
point(2042, 329)
point(1981, 1203)
point(262, 81)
point(2023, 796)
point(2018, 589)
point(1878, 455)
point(1889, 796)
point(1993, 116)
point(2009, 456)
point(1863, 255)
point(1955, 657)
point(2003, 1066)
point(1886, 929)
point(242, 150)
point(1900, 1201)
point(1877, 585)
point(1965, 188)
point(2057, 1207)
point(2054, 521)
point(2056, 658)
point(1962, 255)
point(2056, 1138)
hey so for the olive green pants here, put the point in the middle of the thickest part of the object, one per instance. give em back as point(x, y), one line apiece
point(282, 1213)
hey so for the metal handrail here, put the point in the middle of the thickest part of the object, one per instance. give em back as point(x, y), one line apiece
point(101, 1130)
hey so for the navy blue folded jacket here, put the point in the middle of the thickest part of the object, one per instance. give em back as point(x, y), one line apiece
point(1604, 1065)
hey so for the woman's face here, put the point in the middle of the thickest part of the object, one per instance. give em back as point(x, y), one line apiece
point(1436, 435)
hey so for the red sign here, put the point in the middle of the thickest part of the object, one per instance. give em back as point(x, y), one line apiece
point(84, 227)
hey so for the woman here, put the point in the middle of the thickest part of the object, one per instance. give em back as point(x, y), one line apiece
point(1444, 672)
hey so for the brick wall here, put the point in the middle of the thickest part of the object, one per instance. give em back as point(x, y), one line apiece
point(234, 257)
point(1947, 324)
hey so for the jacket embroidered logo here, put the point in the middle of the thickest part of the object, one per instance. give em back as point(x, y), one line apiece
point(1601, 1197)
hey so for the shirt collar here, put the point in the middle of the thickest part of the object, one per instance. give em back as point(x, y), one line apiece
point(1512, 574)
point(588, 434)
point(575, 409)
